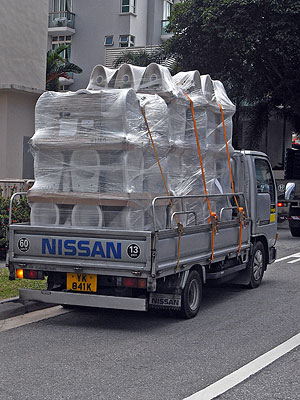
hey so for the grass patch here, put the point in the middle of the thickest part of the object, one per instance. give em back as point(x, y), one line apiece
point(10, 289)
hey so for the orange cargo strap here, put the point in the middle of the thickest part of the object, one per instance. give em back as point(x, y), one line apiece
point(180, 228)
point(213, 219)
point(241, 211)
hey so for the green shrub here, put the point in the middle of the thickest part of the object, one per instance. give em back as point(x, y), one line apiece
point(20, 213)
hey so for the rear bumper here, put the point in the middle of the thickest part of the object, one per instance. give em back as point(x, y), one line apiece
point(87, 300)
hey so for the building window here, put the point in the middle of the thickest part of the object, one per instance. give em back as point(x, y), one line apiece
point(167, 9)
point(61, 5)
point(128, 6)
point(58, 41)
point(108, 41)
point(127, 41)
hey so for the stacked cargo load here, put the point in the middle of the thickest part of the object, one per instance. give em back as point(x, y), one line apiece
point(96, 165)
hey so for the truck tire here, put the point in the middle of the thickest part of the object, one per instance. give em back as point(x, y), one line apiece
point(191, 296)
point(258, 265)
point(295, 231)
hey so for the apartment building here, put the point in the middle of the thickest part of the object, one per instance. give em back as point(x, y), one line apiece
point(23, 44)
point(99, 30)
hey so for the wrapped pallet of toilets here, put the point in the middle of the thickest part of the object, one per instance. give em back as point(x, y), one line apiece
point(85, 170)
point(120, 116)
point(228, 109)
point(62, 117)
point(100, 77)
point(48, 167)
point(158, 80)
point(216, 96)
point(87, 215)
point(188, 81)
point(81, 125)
point(44, 214)
point(206, 95)
point(156, 112)
point(216, 158)
point(102, 154)
point(128, 76)
point(185, 149)
point(87, 143)
point(85, 117)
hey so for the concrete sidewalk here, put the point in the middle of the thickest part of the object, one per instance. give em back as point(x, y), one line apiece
point(13, 307)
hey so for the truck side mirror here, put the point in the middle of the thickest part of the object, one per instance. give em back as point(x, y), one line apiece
point(289, 191)
point(263, 206)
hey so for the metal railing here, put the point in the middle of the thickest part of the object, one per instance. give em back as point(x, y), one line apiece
point(61, 19)
point(11, 202)
point(232, 210)
point(9, 186)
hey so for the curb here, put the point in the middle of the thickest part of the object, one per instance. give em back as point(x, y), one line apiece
point(13, 307)
point(11, 300)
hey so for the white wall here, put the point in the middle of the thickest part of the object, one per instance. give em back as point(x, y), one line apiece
point(23, 42)
point(23, 48)
point(16, 122)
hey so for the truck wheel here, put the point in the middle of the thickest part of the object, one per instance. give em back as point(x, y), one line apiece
point(191, 296)
point(258, 265)
point(295, 231)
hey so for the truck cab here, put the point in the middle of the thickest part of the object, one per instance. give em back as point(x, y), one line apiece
point(262, 201)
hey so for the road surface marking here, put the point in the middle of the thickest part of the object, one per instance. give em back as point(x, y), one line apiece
point(238, 376)
point(35, 316)
point(294, 261)
point(296, 255)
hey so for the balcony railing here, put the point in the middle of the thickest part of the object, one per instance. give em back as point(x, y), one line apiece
point(61, 19)
point(164, 24)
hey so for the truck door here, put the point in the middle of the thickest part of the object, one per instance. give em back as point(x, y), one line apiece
point(266, 216)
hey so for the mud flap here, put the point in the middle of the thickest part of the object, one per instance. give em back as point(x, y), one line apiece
point(165, 301)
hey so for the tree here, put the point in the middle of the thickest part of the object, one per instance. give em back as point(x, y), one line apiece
point(58, 67)
point(250, 45)
point(141, 58)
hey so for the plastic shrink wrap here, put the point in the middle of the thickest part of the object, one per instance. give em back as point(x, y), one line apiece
point(100, 77)
point(94, 162)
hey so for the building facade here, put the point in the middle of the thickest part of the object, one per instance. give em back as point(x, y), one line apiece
point(97, 31)
point(23, 44)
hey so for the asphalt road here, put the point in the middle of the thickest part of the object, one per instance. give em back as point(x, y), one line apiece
point(103, 354)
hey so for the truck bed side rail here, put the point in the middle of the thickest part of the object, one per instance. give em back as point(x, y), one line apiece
point(226, 199)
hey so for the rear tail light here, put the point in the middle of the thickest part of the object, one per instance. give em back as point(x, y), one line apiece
point(29, 274)
point(142, 283)
point(20, 273)
point(130, 282)
point(135, 283)
point(281, 204)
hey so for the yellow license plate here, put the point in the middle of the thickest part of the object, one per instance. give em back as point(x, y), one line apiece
point(82, 282)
